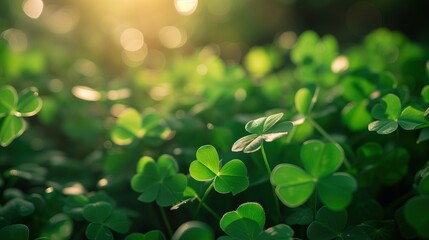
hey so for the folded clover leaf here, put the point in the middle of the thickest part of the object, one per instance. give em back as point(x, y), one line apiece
point(232, 177)
point(247, 223)
point(295, 185)
point(103, 218)
point(130, 125)
point(387, 114)
point(262, 129)
point(159, 181)
point(13, 108)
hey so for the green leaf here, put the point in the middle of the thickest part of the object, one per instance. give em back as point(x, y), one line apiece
point(262, 129)
point(336, 191)
point(159, 181)
point(356, 116)
point(171, 190)
point(328, 224)
point(97, 212)
point(303, 100)
point(423, 136)
point(246, 223)
point(425, 93)
point(118, 222)
point(392, 106)
point(232, 178)
point(16, 209)
point(206, 167)
point(304, 48)
point(300, 215)
point(293, 185)
point(415, 211)
point(29, 103)
point(8, 100)
point(321, 159)
point(356, 88)
point(96, 231)
point(15, 232)
point(412, 118)
point(193, 230)
point(151, 235)
point(380, 230)
point(278, 232)
point(60, 226)
point(128, 127)
point(11, 128)
point(384, 126)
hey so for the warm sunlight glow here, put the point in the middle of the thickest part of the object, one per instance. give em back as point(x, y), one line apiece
point(172, 37)
point(74, 189)
point(33, 8)
point(340, 64)
point(186, 7)
point(287, 39)
point(132, 39)
point(136, 58)
point(16, 39)
point(158, 93)
point(86, 93)
point(61, 21)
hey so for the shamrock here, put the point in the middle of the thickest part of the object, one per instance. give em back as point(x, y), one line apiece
point(159, 181)
point(13, 109)
point(295, 185)
point(262, 129)
point(247, 223)
point(232, 177)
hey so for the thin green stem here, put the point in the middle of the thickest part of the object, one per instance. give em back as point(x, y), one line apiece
point(327, 136)
point(166, 222)
point(208, 209)
point(206, 193)
point(276, 201)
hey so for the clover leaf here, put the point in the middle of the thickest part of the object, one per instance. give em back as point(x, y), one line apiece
point(294, 185)
point(262, 129)
point(415, 213)
point(412, 118)
point(103, 218)
point(232, 177)
point(130, 126)
point(15, 232)
point(13, 108)
point(193, 230)
point(151, 235)
point(387, 114)
point(159, 181)
point(247, 223)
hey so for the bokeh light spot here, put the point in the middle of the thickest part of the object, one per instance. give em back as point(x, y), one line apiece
point(16, 39)
point(33, 8)
point(132, 39)
point(186, 7)
point(56, 85)
point(136, 58)
point(287, 39)
point(172, 37)
point(158, 93)
point(86, 93)
point(61, 21)
point(340, 64)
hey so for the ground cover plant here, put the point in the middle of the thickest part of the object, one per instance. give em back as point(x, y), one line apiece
point(315, 140)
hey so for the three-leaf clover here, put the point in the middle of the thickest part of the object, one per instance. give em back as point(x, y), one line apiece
point(262, 129)
point(387, 114)
point(13, 109)
point(247, 223)
point(159, 181)
point(103, 218)
point(232, 177)
point(130, 125)
point(295, 185)
point(332, 225)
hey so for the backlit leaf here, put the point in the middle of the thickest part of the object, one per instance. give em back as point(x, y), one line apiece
point(321, 159)
point(336, 191)
point(8, 100)
point(29, 103)
point(11, 128)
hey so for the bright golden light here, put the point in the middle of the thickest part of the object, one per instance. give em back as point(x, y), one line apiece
point(86, 93)
point(61, 21)
point(132, 39)
point(186, 7)
point(74, 189)
point(340, 64)
point(158, 93)
point(136, 58)
point(171, 37)
point(33, 8)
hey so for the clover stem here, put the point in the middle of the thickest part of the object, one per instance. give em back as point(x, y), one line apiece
point(206, 193)
point(276, 201)
point(166, 222)
point(327, 136)
point(209, 209)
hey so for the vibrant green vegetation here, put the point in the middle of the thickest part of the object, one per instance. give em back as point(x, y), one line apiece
point(309, 143)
